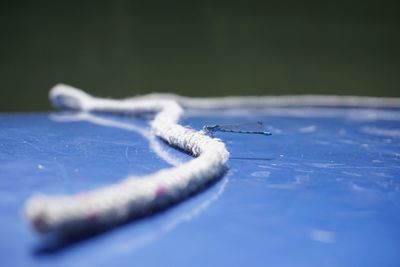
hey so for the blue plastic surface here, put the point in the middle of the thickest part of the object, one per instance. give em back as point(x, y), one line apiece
point(323, 190)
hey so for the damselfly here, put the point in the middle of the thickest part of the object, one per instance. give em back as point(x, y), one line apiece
point(244, 128)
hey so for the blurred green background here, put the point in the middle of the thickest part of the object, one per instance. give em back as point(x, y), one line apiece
point(122, 48)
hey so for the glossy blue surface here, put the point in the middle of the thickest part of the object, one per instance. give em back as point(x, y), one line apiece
point(323, 190)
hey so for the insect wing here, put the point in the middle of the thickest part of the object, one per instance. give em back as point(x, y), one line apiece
point(243, 127)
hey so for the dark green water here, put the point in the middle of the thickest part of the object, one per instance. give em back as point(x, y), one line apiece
point(197, 48)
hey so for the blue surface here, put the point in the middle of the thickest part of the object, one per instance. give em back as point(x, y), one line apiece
point(323, 190)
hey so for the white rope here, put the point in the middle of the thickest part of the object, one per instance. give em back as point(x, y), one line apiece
point(134, 195)
point(227, 102)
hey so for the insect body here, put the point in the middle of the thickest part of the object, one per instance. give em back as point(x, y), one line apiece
point(244, 128)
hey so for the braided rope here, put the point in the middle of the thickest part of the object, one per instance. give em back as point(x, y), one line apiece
point(134, 195)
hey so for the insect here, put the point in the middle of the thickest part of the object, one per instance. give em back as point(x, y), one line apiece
point(244, 128)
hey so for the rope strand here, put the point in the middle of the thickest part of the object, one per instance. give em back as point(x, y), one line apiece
point(135, 195)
